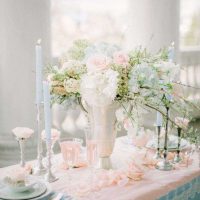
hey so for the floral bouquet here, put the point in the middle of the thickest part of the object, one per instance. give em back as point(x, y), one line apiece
point(114, 86)
point(102, 74)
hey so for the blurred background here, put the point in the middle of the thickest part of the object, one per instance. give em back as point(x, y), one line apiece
point(129, 23)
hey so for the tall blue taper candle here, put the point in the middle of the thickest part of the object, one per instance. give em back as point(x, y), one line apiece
point(171, 52)
point(47, 110)
point(159, 119)
point(39, 74)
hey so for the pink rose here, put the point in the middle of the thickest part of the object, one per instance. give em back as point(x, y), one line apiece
point(121, 58)
point(182, 122)
point(97, 62)
point(127, 124)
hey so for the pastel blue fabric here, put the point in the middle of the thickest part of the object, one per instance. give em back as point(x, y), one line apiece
point(52, 195)
point(188, 191)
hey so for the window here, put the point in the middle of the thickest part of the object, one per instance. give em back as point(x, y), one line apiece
point(190, 24)
point(107, 20)
point(93, 19)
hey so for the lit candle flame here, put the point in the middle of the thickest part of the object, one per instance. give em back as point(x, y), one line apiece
point(172, 44)
point(39, 41)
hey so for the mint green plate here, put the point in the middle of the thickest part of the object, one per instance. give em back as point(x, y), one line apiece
point(37, 190)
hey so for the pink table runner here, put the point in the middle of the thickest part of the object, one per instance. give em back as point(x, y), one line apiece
point(154, 184)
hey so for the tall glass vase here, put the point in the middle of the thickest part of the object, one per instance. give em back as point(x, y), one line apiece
point(102, 122)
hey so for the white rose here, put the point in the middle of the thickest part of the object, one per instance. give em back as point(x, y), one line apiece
point(167, 70)
point(99, 88)
point(22, 132)
point(16, 175)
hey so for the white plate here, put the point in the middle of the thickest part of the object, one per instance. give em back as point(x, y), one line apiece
point(37, 190)
point(29, 183)
point(22, 188)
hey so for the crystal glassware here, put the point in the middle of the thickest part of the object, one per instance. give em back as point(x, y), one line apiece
point(92, 157)
point(70, 149)
point(22, 148)
point(91, 147)
point(22, 134)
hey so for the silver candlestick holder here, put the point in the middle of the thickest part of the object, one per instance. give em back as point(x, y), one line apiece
point(39, 169)
point(165, 165)
point(177, 157)
point(158, 154)
point(49, 177)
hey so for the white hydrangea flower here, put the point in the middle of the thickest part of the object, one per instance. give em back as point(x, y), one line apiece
point(133, 85)
point(143, 75)
point(111, 77)
point(99, 88)
point(167, 70)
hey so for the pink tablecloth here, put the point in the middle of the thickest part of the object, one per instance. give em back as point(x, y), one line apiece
point(154, 185)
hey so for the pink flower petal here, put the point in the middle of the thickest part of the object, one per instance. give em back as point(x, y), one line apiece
point(123, 182)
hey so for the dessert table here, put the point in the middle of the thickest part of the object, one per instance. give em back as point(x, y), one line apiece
point(183, 182)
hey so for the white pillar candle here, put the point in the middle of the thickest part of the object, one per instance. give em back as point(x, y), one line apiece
point(47, 110)
point(39, 68)
point(159, 119)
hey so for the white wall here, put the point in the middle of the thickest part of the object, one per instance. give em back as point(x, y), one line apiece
point(153, 23)
point(22, 23)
